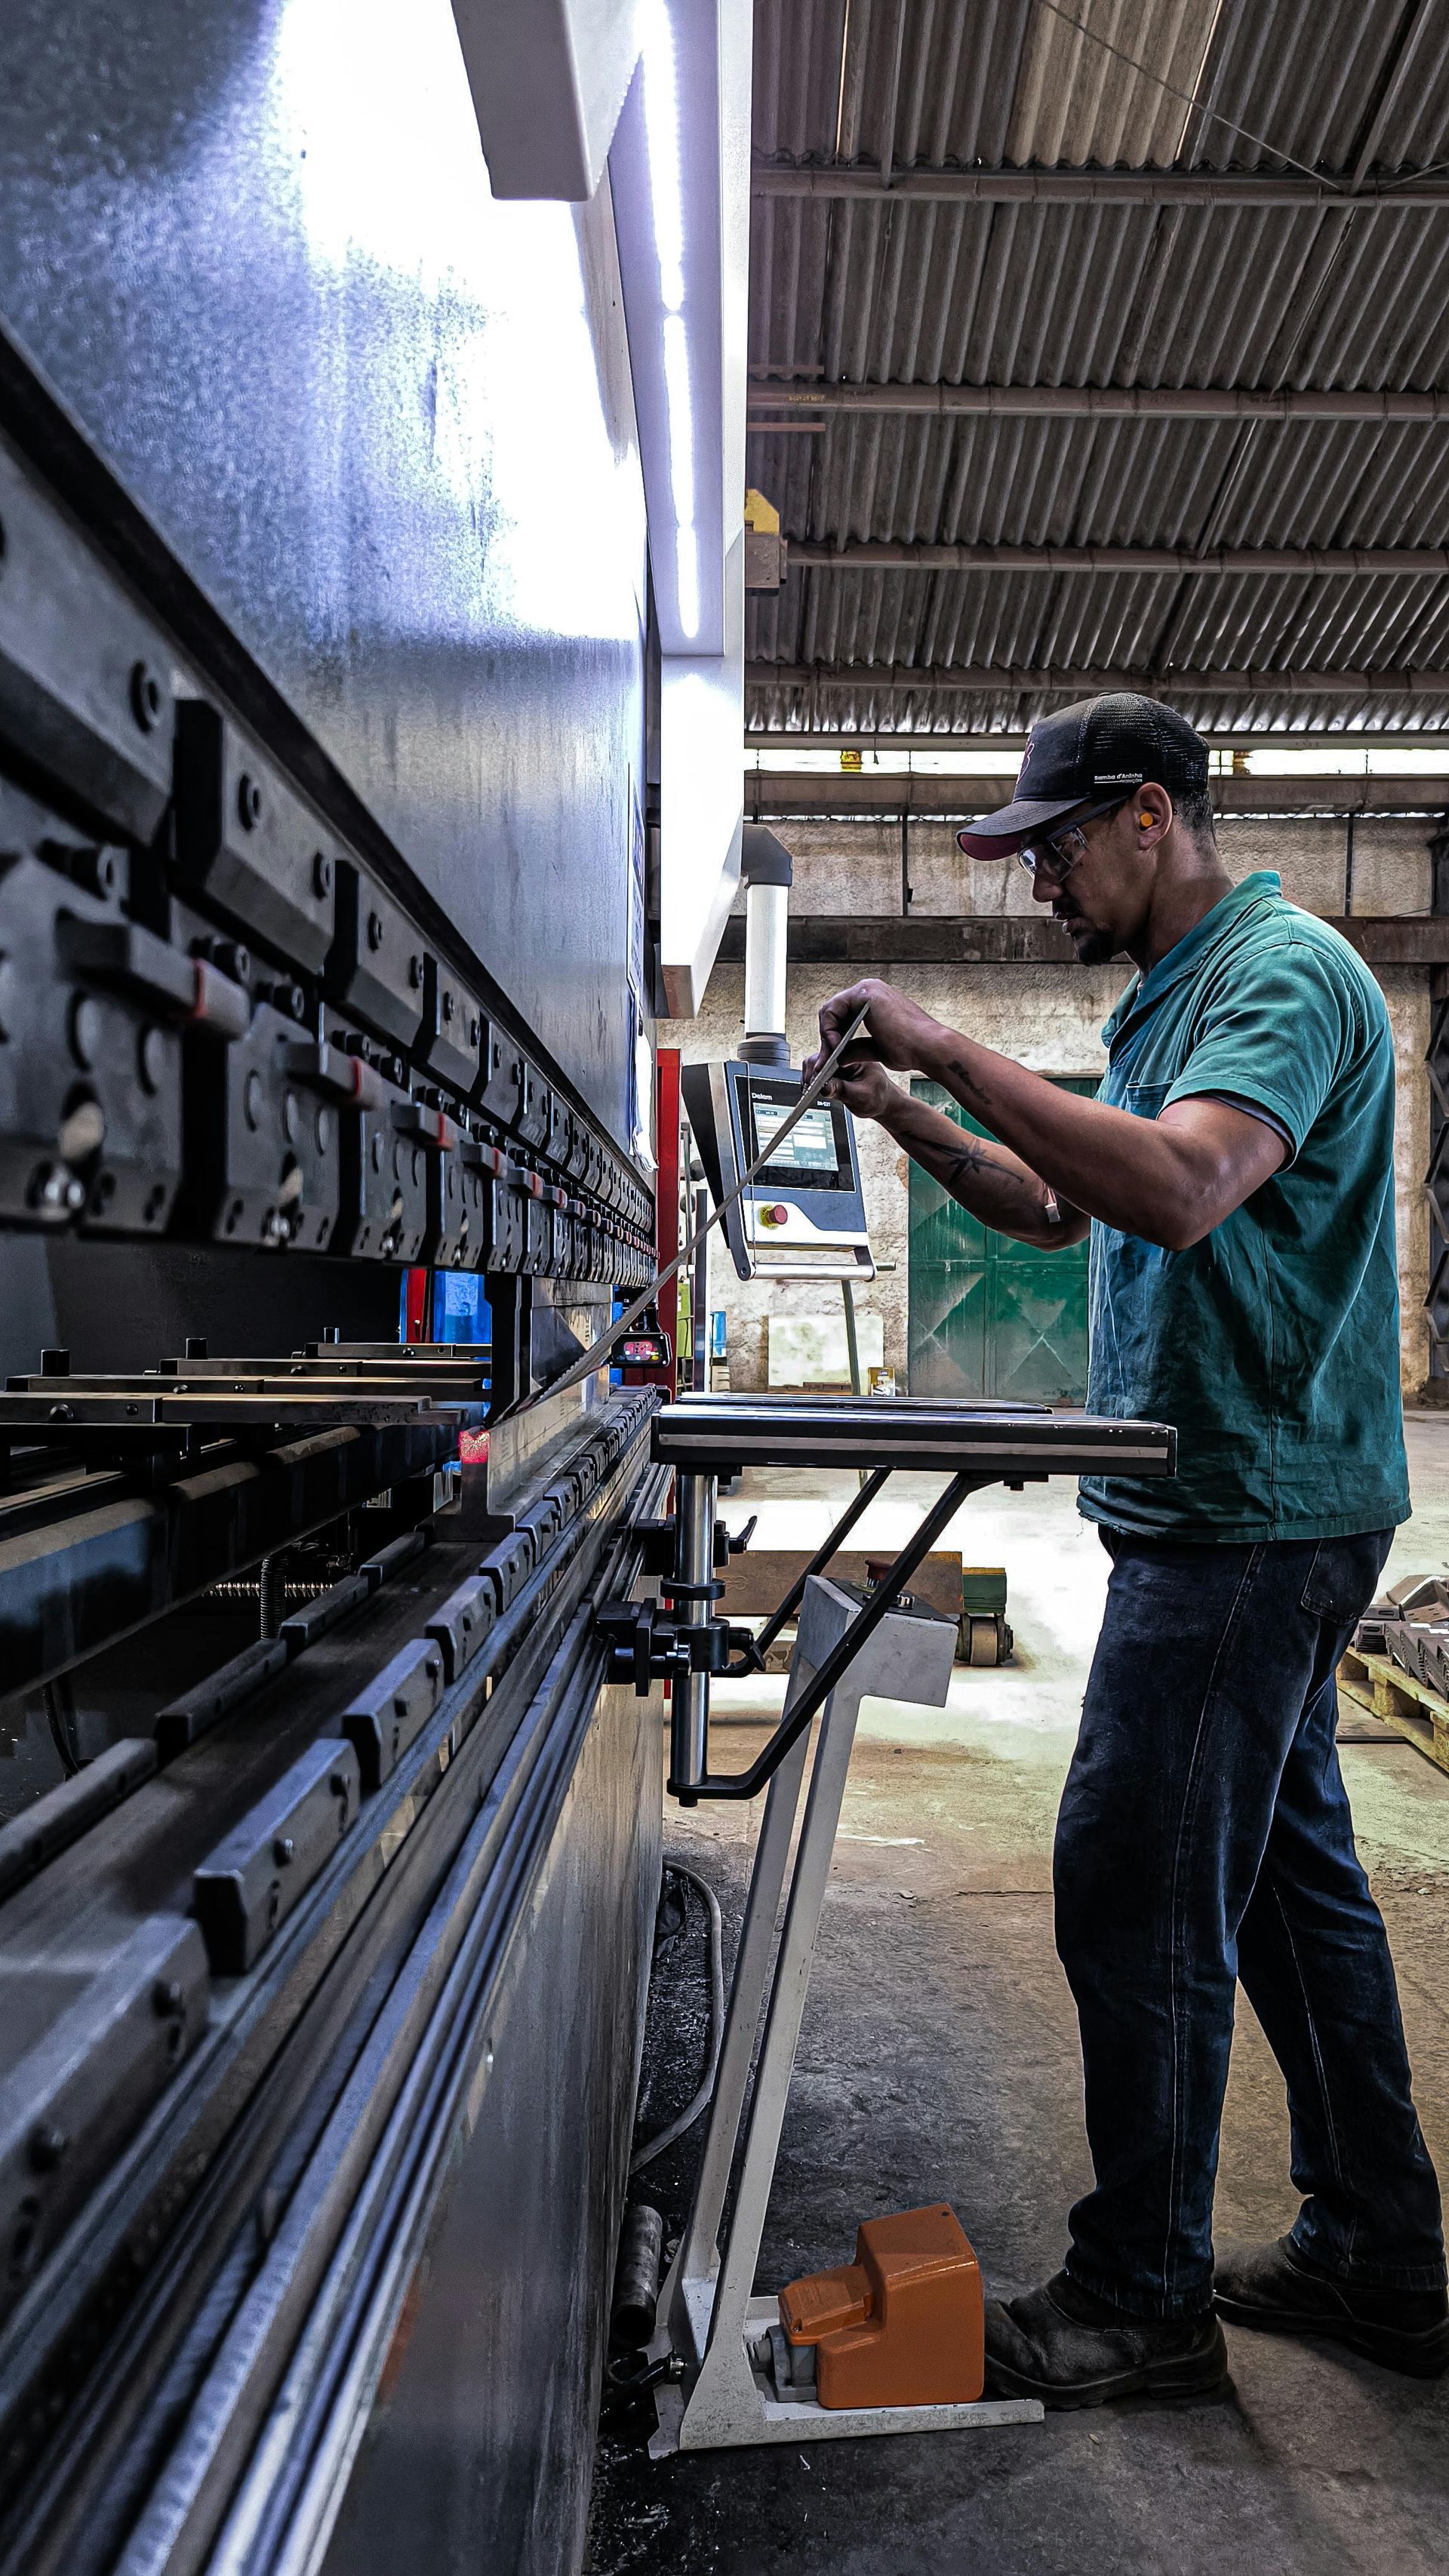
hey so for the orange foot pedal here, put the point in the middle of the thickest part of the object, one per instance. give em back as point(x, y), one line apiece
point(903, 2325)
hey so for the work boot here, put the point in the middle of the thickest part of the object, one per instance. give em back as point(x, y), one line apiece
point(1280, 2289)
point(1069, 2349)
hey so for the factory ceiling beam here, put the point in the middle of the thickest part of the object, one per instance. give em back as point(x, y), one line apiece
point(874, 555)
point(982, 680)
point(795, 402)
point(1007, 743)
point(863, 796)
point(1019, 939)
point(1214, 189)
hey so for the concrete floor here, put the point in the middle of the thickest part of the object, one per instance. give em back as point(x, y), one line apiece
point(939, 2060)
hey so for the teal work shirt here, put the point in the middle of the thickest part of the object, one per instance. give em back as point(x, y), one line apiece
point(1273, 1344)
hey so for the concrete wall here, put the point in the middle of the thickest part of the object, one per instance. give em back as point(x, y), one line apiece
point(1406, 990)
point(1049, 1017)
point(856, 867)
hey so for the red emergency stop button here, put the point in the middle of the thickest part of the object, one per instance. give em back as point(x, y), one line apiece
point(776, 1215)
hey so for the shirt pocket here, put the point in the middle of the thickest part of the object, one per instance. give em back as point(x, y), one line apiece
point(1144, 1099)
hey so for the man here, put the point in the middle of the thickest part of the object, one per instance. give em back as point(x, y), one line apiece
point(1235, 1173)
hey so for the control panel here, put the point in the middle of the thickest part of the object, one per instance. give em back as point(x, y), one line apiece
point(803, 1216)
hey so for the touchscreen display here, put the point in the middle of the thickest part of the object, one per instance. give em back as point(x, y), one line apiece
point(810, 1145)
point(815, 1155)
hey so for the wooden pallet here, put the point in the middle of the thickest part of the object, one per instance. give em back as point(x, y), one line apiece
point(1416, 1713)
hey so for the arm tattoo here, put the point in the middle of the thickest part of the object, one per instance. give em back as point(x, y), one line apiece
point(967, 1090)
point(973, 1162)
point(996, 1191)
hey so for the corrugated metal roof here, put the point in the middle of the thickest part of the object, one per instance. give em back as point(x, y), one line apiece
point(1050, 294)
point(1077, 103)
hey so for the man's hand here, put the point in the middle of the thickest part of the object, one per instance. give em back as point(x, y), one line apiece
point(866, 1090)
point(898, 1032)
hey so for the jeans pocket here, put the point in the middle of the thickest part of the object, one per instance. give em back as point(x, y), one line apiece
point(1343, 1576)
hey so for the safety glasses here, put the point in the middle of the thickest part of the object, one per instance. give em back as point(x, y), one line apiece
point(1055, 854)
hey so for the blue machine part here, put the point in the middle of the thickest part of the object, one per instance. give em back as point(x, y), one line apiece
point(460, 1307)
point(457, 1309)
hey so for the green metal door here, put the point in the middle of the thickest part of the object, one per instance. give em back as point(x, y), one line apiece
point(988, 1316)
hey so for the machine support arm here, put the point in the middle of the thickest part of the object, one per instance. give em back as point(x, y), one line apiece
point(747, 1784)
point(823, 1556)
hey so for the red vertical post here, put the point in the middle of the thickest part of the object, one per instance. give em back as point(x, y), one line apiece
point(417, 1306)
point(666, 1221)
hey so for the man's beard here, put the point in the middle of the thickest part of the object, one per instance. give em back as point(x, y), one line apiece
point(1093, 947)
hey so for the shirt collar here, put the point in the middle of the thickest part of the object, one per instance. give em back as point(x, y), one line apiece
point(1262, 887)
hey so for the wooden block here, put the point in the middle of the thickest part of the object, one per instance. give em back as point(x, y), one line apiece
point(1416, 1713)
point(758, 1581)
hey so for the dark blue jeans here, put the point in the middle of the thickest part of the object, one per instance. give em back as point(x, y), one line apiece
point(1205, 1837)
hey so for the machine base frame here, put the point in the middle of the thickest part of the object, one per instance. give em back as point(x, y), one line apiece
point(707, 2309)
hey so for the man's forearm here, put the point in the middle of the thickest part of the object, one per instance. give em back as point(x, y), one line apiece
point(1144, 1176)
point(990, 1183)
point(1169, 1179)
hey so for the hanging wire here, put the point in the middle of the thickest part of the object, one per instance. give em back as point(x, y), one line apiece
point(699, 2100)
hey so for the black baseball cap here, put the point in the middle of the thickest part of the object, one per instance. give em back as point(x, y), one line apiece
point(1092, 750)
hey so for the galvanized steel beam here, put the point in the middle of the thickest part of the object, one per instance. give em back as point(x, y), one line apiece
point(1008, 742)
point(1213, 189)
point(1020, 939)
point(981, 680)
point(873, 795)
point(875, 555)
point(797, 402)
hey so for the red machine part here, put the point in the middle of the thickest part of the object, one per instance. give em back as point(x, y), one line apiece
point(415, 1306)
point(660, 1372)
